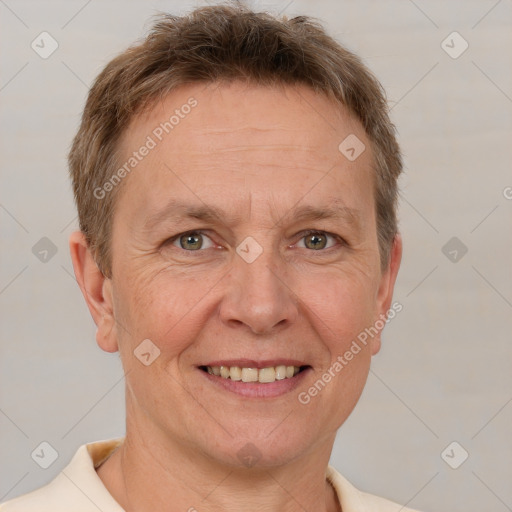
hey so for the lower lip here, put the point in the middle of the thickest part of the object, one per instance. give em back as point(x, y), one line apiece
point(257, 389)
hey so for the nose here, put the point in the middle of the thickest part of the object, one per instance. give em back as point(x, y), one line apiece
point(258, 296)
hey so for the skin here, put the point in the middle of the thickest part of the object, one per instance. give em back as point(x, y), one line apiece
point(258, 153)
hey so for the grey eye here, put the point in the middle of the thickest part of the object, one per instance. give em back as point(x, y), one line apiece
point(316, 240)
point(192, 241)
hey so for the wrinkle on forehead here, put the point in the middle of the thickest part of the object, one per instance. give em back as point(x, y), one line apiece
point(224, 121)
point(259, 140)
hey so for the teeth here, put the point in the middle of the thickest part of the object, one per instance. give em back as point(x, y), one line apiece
point(280, 372)
point(263, 375)
point(267, 375)
point(249, 375)
point(235, 373)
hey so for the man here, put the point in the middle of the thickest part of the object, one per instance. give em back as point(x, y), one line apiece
point(235, 177)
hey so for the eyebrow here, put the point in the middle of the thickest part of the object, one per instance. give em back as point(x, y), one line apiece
point(336, 210)
point(177, 210)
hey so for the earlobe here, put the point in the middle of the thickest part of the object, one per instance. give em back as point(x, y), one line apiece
point(386, 288)
point(96, 289)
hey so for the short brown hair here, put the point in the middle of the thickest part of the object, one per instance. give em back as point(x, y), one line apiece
point(224, 43)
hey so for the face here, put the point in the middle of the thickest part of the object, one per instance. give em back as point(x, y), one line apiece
point(245, 239)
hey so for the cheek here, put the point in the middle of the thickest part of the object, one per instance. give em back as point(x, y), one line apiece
point(340, 306)
point(162, 307)
point(160, 310)
point(341, 310)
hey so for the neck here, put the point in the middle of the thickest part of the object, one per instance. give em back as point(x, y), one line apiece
point(161, 475)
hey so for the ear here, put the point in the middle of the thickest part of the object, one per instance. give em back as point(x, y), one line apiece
point(386, 287)
point(96, 289)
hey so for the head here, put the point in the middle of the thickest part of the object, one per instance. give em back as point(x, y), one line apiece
point(225, 221)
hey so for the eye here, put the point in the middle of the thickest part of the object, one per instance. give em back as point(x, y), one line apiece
point(317, 240)
point(192, 241)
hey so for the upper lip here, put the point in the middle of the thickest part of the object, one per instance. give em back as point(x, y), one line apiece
point(252, 363)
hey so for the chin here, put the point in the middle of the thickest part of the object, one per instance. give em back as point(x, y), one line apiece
point(265, 451)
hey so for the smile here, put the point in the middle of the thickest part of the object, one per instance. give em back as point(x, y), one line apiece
point(261, 375)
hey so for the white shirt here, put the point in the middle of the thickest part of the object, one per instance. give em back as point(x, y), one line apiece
point(78, 488)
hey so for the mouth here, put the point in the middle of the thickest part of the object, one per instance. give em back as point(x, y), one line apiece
point(264, 375)
point(256, 379)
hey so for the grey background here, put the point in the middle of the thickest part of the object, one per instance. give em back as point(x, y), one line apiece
point(443, 373)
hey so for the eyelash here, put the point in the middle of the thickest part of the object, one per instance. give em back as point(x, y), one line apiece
point(302, 235)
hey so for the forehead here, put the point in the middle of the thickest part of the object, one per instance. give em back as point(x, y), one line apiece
point(224, 114)
point(268, 140)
